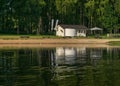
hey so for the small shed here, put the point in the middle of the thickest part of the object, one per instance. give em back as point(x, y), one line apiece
point(71, 30)
point(96, 30)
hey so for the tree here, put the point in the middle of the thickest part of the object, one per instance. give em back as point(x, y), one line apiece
point(90, 10)
point(34, 16)
point(66, 10)
point(108, 19)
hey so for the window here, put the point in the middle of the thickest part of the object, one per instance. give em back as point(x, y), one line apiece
point(61, 30)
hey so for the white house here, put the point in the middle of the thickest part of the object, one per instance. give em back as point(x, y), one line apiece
point(71, 30)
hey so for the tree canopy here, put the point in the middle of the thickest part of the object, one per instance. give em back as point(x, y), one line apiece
point(34, 16)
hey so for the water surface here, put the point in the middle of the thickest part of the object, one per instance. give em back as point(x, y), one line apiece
point(60, 66)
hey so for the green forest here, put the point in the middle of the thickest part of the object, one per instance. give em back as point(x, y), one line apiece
point(34, 16)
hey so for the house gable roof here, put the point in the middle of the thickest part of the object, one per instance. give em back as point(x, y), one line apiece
point(73, 26)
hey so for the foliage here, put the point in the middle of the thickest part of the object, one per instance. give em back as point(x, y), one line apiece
point(34, 16)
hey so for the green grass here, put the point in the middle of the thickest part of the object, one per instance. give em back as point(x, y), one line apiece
point(114, 43)
point(35, 36)
point(30, 36)
point(9, 36)
point(45, 36)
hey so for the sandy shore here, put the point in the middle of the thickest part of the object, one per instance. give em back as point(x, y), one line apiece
point(55, 42)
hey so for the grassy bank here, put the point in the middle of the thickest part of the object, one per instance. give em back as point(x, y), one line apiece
point(115, 43)
point(26, 36)
point(37, 37)
point(48, 36)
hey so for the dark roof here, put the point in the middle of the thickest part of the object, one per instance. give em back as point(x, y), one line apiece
point(74, 26)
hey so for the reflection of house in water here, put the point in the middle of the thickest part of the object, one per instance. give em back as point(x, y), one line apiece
point(46, 65)
point(81, 55)
point(65, 55)
point(95, 54)
point(70, 56)
point(71, 60)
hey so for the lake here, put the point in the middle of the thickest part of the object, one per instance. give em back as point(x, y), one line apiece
point(60, 66)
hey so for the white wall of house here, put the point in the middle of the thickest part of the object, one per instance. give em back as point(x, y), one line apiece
point(65, 32)
point(70, 32)
point(81, 33)
point(60, 31)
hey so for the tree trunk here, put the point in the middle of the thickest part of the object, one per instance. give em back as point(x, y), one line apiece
point(39, 29)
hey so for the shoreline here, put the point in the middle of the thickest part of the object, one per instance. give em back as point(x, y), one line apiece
point(56, 41)
point(69, 42)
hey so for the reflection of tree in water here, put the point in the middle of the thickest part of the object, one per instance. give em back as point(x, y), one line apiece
point(6, 68)
point(100, 68)
point(34, 67)
point(28, 64)
point(47, 77)
point(106, 72)
point(48, 64)
point(32, 64)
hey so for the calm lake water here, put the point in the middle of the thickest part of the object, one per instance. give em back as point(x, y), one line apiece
point(60, 66)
